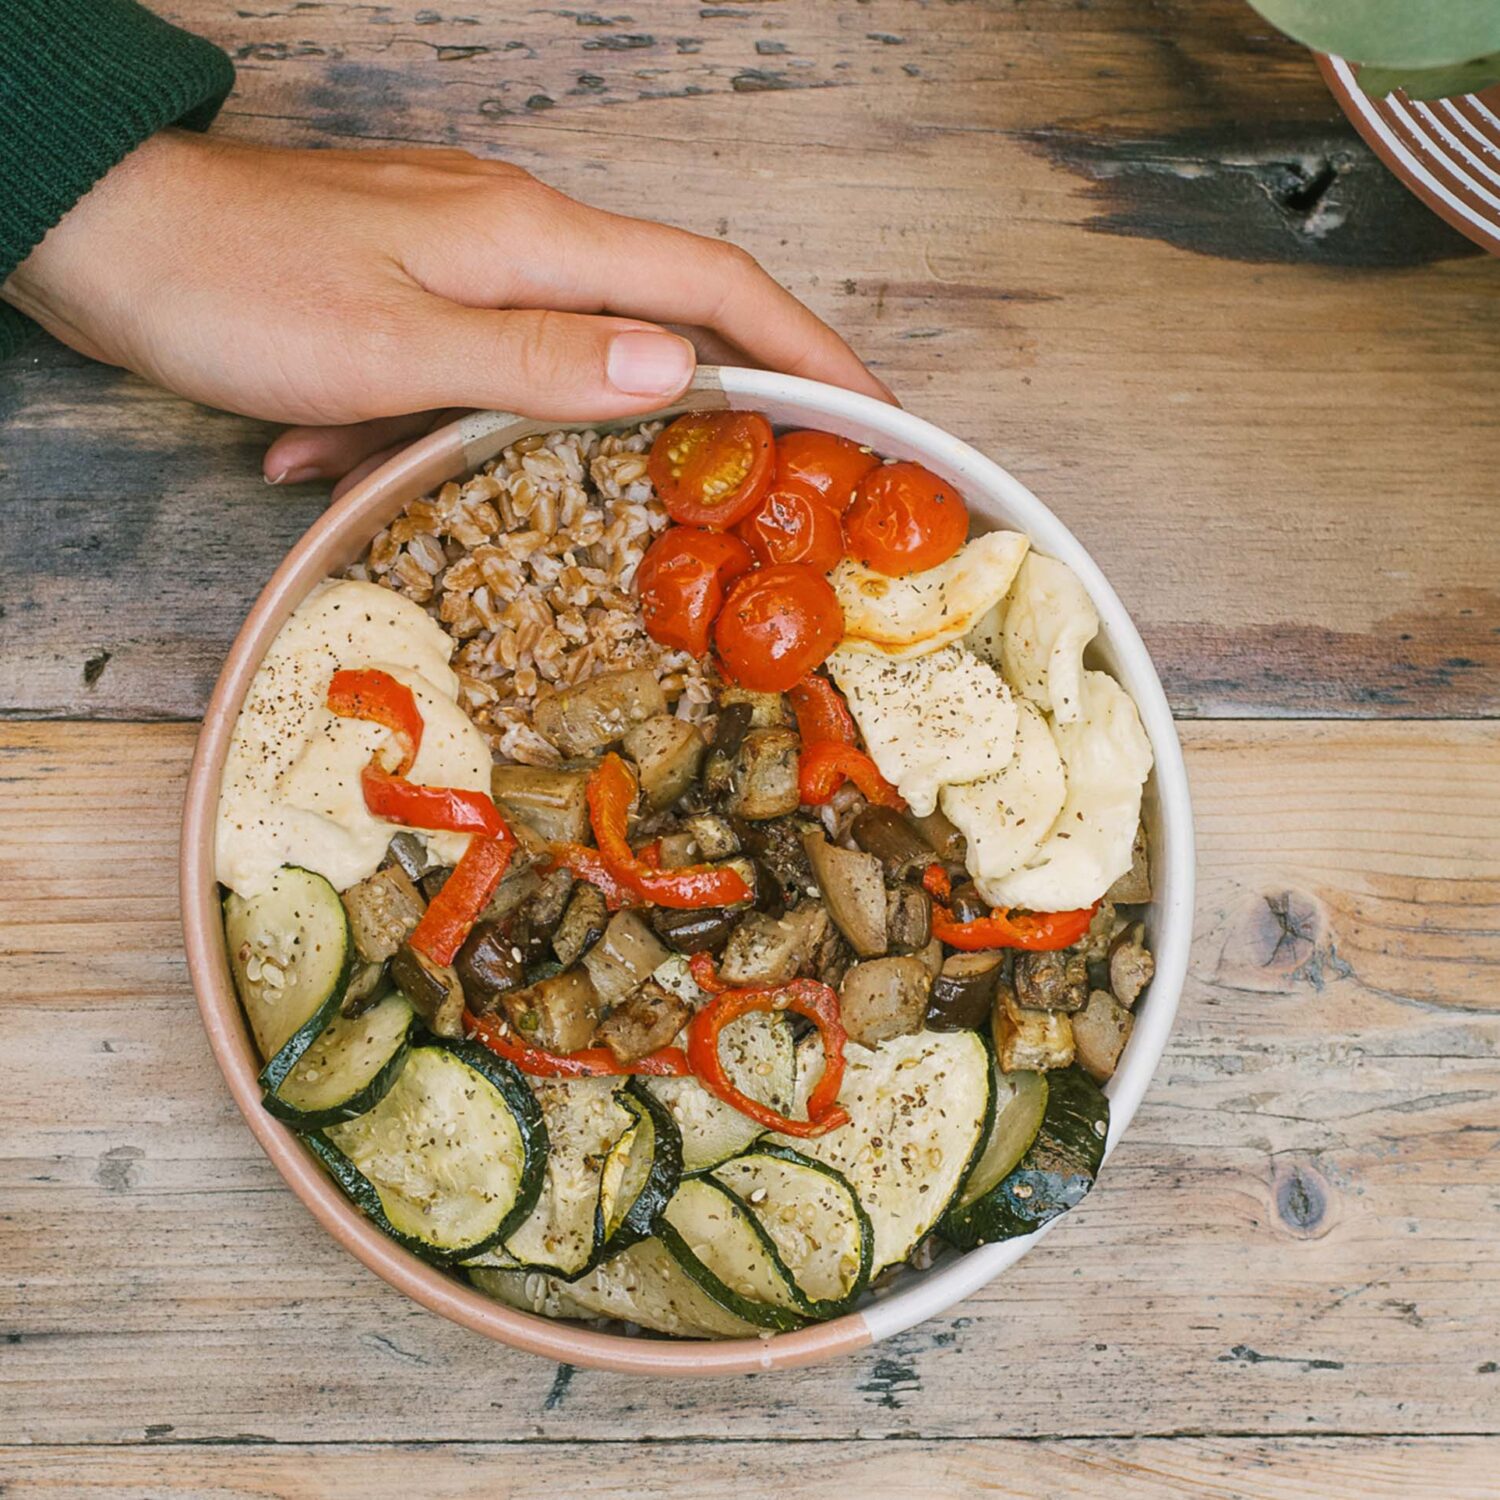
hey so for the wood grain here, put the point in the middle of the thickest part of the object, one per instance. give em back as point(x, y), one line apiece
point(1299, 1236)
point(1189, 1469)
point(1129, 249)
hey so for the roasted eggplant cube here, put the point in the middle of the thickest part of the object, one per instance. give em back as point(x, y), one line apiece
point(383, 912)
point(764, 784)
point(704, 929)
point(490, 964)
point(766, 950)
point(582, 924)
point(1130, 964)
point(1100, 1031)
point(1057, 980)
point(667, 752)
point(767, 710)
point(715, 838)
point(435, 991)
point(893, 840)
point(1029, 1040)
point(648, 1018)
point(590, 717)
point(963, 994)
point(624, 957)
point(884, 997)
point(553, 804)
point(557, 1014)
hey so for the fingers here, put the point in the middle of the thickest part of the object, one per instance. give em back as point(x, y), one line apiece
point(646, 270)
point(544, 364)
point(301, 454)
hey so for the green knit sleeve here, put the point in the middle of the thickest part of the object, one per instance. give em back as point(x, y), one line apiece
point(82, 83)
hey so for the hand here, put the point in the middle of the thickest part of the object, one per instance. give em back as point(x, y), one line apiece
point(353, 292)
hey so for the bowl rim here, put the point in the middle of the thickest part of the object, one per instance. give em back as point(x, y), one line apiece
point(453, 450)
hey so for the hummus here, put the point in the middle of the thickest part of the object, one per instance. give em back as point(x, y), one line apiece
point(291, 789)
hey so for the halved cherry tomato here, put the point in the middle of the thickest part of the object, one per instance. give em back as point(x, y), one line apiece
point(710, 467)
point(794, 524)
point(777, 624)
point(681, 584)
point(830, 465)
point(905, 520)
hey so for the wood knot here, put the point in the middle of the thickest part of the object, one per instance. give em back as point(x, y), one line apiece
point(1282, 940)
point(1302, 1197)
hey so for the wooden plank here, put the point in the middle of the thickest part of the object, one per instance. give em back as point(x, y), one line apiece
point(1188, 1468)
point(1133, 254)
point(1300, 1235)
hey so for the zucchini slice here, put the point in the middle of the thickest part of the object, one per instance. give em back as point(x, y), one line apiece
point(291, 953)
point(349, 1067)
point(760, 1058)
point(643, 1285)
point(1056, 1171)
point(641, 1174)
point(717, 1241)
point(919, 1110)
point(584, 1118)
point(1020, 1103)
point(821, 1234)
point(450, 1162)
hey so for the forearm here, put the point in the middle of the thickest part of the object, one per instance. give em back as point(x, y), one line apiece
point(82, 83)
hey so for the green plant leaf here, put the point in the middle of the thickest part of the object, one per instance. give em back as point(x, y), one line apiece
point(1405, 34)
point(1432, 83)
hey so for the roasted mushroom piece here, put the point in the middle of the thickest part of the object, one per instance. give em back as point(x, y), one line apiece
point(908, 919)
point(853, 892)
point(592, 715)
point(884, 997)
point(648, 1018)
point(1100, 1031)
point(1130, 964)
point(1057, 980)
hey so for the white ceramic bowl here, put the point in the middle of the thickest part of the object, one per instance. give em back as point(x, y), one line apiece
point(995, 499)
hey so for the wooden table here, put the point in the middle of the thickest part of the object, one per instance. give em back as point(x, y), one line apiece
point(1130, 249)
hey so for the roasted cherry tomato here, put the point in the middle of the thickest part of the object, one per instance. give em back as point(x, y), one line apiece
point(681, 583)
point(830, 465)
point(794, 524)
point(777, 625)
point(710, 467)
point(905, 520)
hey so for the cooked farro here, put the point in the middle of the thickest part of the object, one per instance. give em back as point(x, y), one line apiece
point(529, 565)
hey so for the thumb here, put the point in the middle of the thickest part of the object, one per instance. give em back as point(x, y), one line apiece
point(545, 364)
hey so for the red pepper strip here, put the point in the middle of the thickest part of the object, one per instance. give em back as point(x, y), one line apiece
point(370, 694)
point(590, 1062)
point(466, 892)
point(821, 712)
point(827, 765)
point(588, 864)
point(442, 809)
point(1039, 931)
point(806, 997)
point(611, 794)
point(936, 883)
point(706, 974)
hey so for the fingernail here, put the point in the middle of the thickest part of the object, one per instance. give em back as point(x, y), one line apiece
point(649, 364)
point(299, 475)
